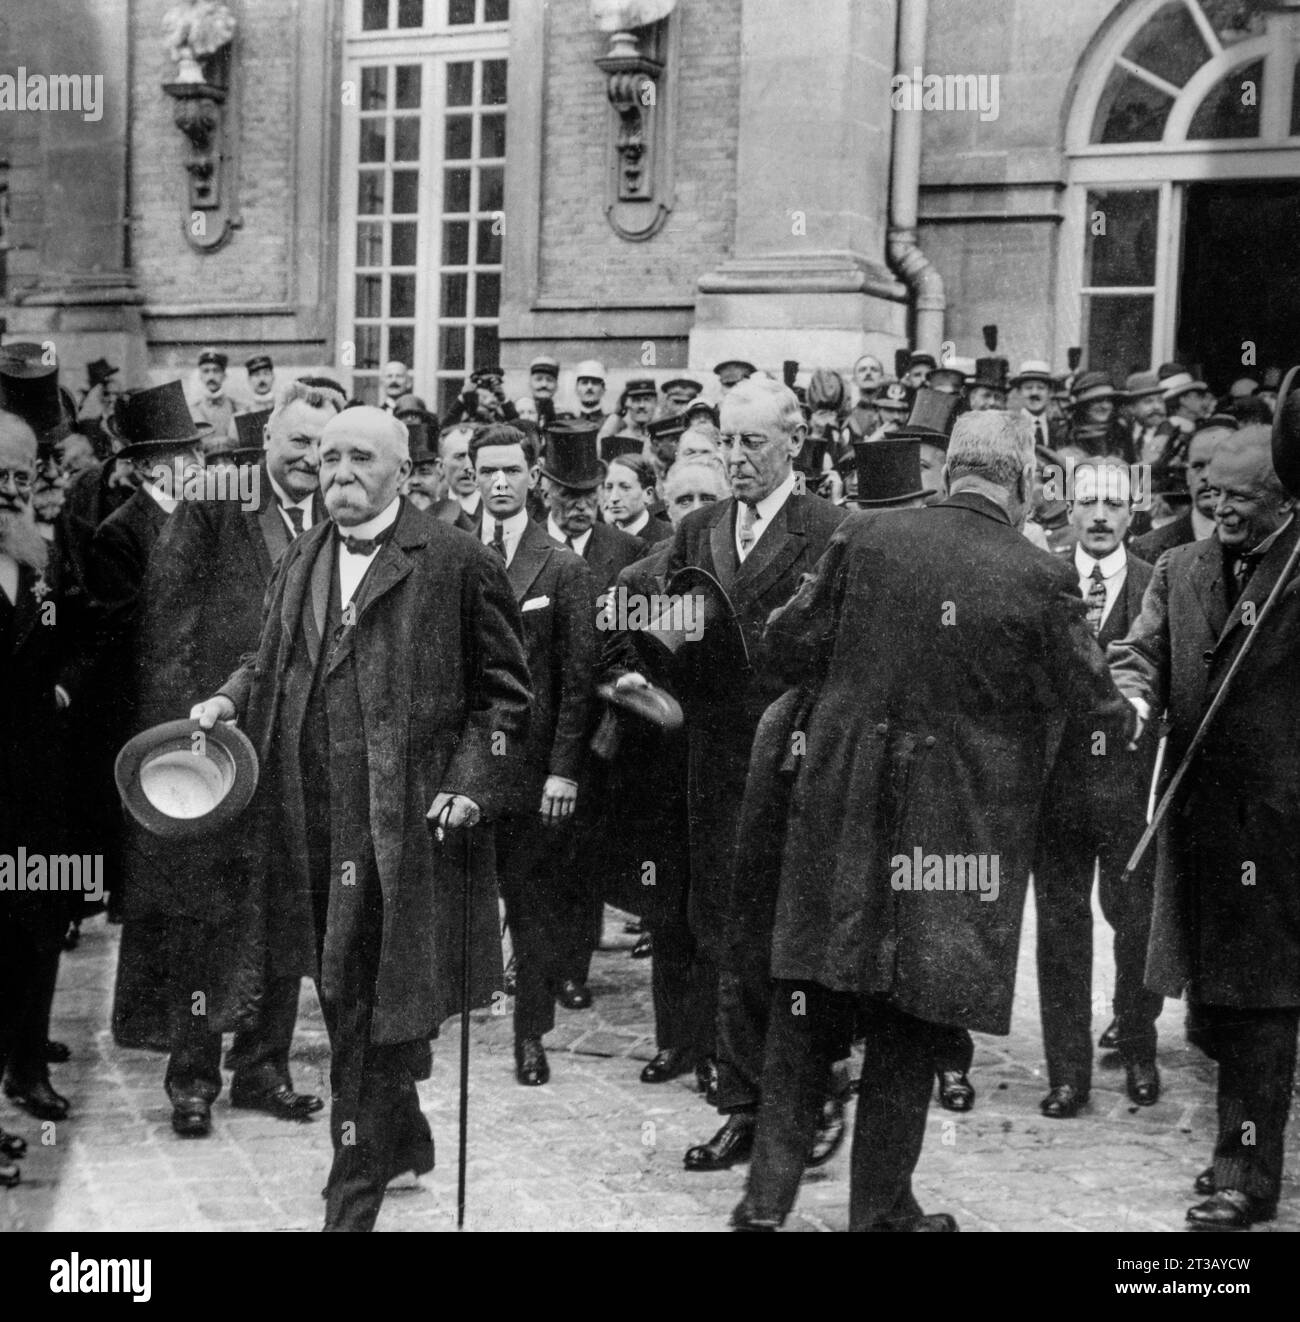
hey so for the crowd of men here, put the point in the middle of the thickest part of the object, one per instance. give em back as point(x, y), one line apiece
point(909, 591)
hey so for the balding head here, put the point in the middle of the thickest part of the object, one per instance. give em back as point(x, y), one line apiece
point(364, 458)
point(1250, 501)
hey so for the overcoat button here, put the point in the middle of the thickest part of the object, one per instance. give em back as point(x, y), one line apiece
point(882, 729)
point(930, 741)
point(1207, 656)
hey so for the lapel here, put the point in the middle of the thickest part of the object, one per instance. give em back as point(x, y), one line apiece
point(1260, 585)
point(780, 545)
point(266, 529)
point(594, 554)
point(306, 591)
point(531, 555)
point(1206, 581)
point(722, 544)
point(27, 606)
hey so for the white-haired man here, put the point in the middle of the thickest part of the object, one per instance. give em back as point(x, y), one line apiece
point(925, 758)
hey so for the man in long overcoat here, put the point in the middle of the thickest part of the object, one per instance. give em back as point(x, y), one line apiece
point(1226, 926)
point(946, 644)
point(390, 685)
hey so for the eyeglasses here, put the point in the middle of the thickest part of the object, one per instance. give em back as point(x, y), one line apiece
point(753, 442)
point(20, 477)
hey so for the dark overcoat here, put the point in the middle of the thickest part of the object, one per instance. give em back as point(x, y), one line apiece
point(947, 647)
point(1226, 923)
point(609, 550)
point(443, 686)
point(1177, 532)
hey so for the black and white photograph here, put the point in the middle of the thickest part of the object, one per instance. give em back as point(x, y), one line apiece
point(667, 616)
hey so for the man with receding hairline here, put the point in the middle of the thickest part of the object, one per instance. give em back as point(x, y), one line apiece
point(389, 687)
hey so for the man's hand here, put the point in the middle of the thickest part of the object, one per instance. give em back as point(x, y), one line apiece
point(463, 811)
point(559, 798)
point(632, 680)
point(215, 709)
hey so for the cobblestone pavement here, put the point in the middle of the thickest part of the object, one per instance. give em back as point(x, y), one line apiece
point(596, 1149)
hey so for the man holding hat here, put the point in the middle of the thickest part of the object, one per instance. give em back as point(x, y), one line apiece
point(261, 381)
point(214, 404)
point(589, 386)
point(374, 710)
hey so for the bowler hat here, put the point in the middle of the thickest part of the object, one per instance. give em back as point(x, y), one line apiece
point(614, 447)
point(29, 387)
point(571, 456)
point(99, 371)
point(155, 419)
point(650, 705)
point(213, 356)
point(1089, 388)
point(702, 648)
point(889, 471)
point(991, 373)
point(1032, 369)
point(932, 416)
point(259, 362)
point(180, 781)
point(641, 385)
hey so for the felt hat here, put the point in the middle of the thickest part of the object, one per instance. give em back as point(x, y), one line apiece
point(571, 457)
point(154, 420)
point(889, 471)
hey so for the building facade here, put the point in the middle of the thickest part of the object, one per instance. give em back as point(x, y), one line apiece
point(659, 185)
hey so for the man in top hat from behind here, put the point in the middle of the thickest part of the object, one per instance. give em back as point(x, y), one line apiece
point(589, 386)
point(261, 381)
point(215, 403)
point(375, 709)
point(201, 612)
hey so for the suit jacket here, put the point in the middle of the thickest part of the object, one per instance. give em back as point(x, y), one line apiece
point(946, 647)
point(437, 644)
point(1226, 924)
point(656, 531)
point(449, 510)
point(1154, 544)
point(608, 550)
point(556, 595)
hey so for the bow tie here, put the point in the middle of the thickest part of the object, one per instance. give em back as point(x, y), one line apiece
point(364, 545)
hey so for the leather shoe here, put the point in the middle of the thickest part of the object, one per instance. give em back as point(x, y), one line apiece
point(645, 946)
point(830, 1133)
point(281, 1102)
point(1204, 1182)
point(732, 1143)
point(955, 1090)
point(12, 1146)
point(1143, 1082)
point(192, 1117)
point(57, 1053)
point(39, 1099)
point(1063, 1103)
point(744, 1219)
point(1230, 1209)
point(531, 1066)
point(1109, 1039)
point(574, 995)
point(933, 1222)
point(706, 1079)
point(668, 1064)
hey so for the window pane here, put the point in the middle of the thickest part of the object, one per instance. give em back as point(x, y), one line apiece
point(372, 140)
point(403, 245)
point(460, 84)
point(455, 195)
point(492, 140)
point(367, 346)
point(487, 294)
point(1117, 333)
point(496, 11)
point(406, 188)
point(491, 188)
point(401, 344)
point(410, 13)
point(374, 14)
point(406, 138)
point(370, 192)
point(448, 389)
point(454, 291)
point(1124, 253)
point(494, 82)
point(374, 89)
point(455, 243)
point(370, 245)
point(489, 244)
point(370, 296)
point(1225, 112)
point(486, 353)
point(1235, 20)
point(1130, 110)
point(451, 350)
point(408, 87)
point(458, 138)
point(401, 296)
point(460, 11)
point(1169, 44)
point(365, 388)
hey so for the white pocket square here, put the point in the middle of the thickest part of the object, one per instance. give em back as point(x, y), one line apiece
point(535, 603)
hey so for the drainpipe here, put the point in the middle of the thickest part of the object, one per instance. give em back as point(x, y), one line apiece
point(906, 259)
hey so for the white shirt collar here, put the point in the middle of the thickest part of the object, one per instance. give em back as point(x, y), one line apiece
point(1110, 564)
point(1203, 525)
point(512, 529)
point(773, 501)
point(285, 501)
point(554, 530)
point(641, 521)
point(373, 527)
point(470, 503)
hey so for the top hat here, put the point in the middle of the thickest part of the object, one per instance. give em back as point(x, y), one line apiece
point(1089, 387)
point(250, 431)
point(259, 362)
point(991, 373)
point(99, 371)
point(680, 384)
point(1286, 433)
point(571, 456)
point(213, 356)
point(180, 781)
point(894, 395)
point(649, 705)
point(1181, 383)
point(889, 471)
point(614, 447)
point(1138, 385)
point(544, 363)
point(590, 370)
point(695, 637)
point(155, 419)
point(811, 459)
point(423, 440)
point(29, 387)
point(640, 385)
point(932, 416)
point(1032, 369)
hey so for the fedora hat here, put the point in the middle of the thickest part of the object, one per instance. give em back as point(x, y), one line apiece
point(423, 440)
point(180, 781)
point(932, 416)
point(702, 654)
point(615, 447)
point(1181, 383)
point(571, 456)
point(1032, 369)
point(156, 419)
point(1089, 387)
point(650, 705)
point(889, 471)
point(1286, 432)
point(29, 387)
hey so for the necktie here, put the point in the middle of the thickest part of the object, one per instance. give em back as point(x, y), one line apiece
point(568, 541)
point(1040, 433)
point(294, 515)
point(366, 545)
point(1242, 568)
point(1096, 600)
point(499, 538)
point(746, 516)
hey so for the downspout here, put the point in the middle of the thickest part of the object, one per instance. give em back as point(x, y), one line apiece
point(906, 259)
